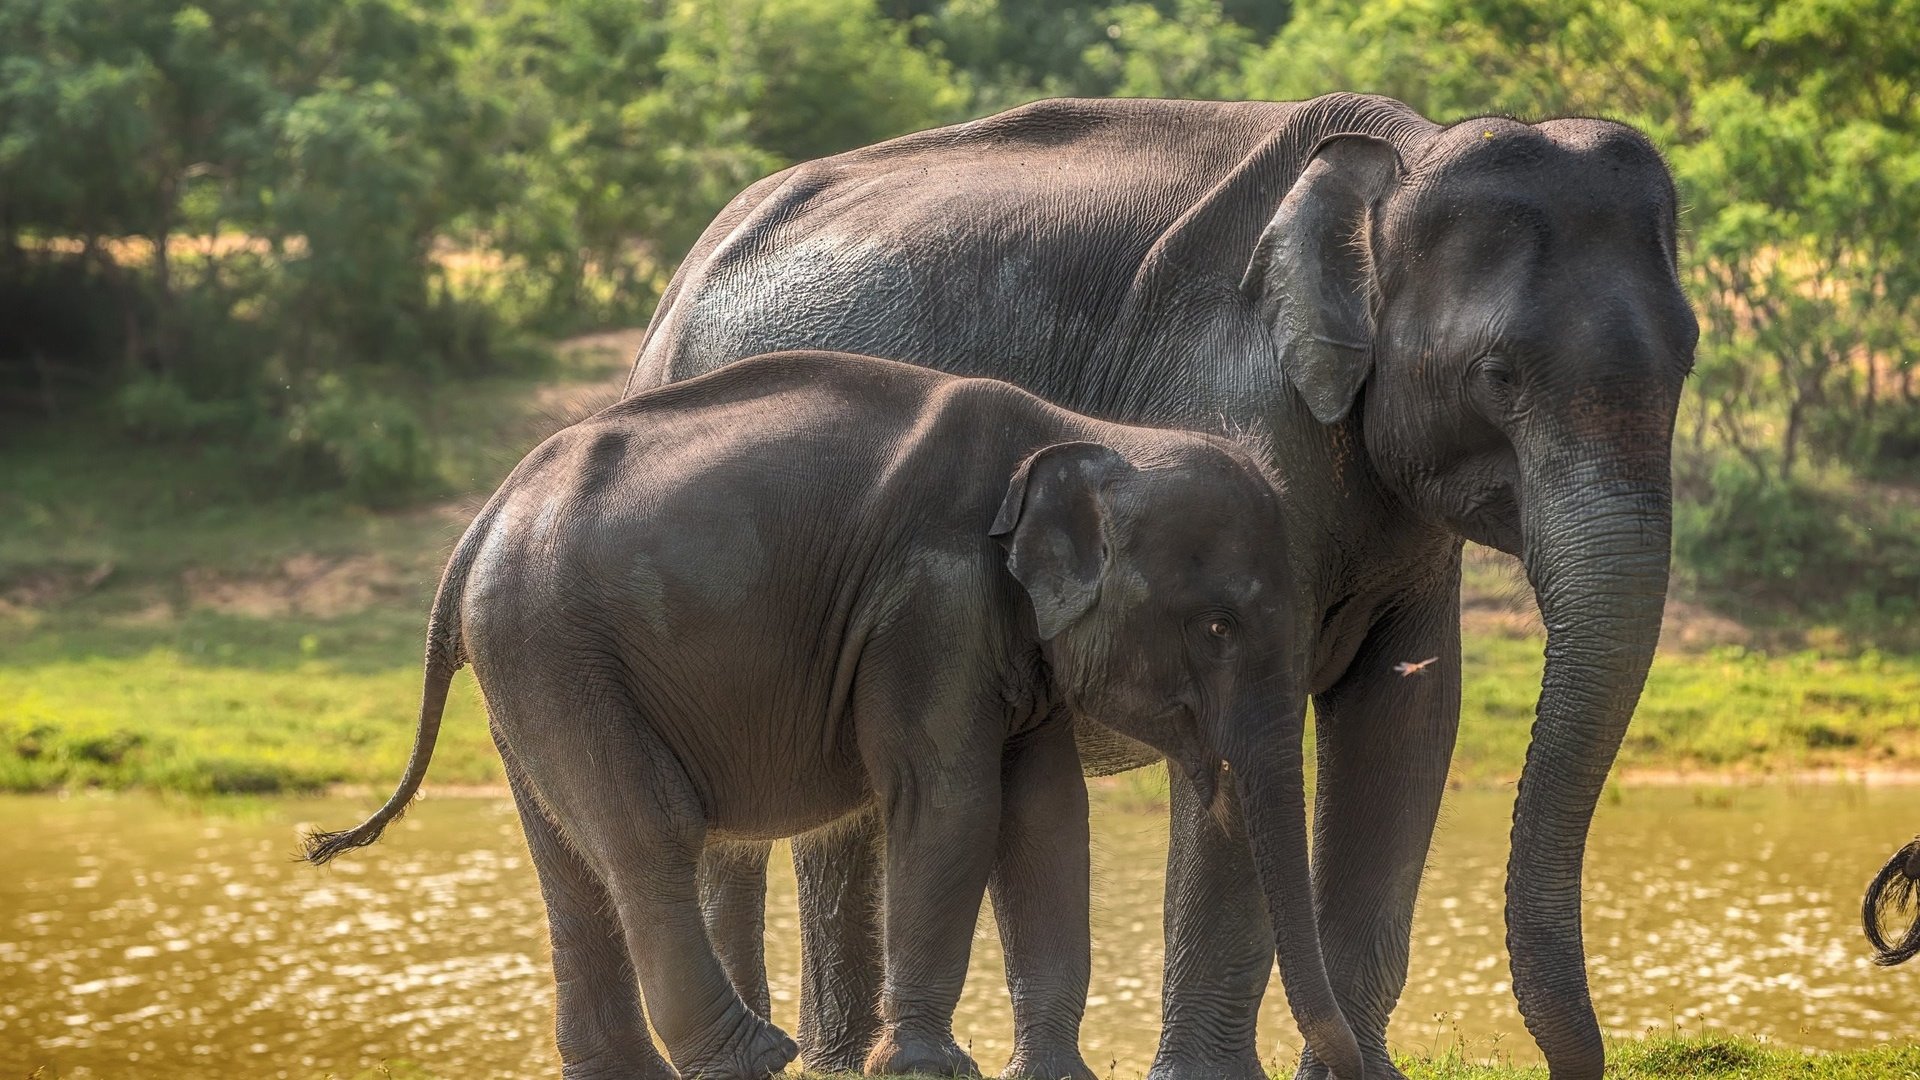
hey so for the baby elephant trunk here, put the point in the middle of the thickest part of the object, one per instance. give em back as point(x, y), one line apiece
point(1266, 769)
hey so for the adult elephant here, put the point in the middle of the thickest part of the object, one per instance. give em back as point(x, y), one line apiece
point(1473, 331)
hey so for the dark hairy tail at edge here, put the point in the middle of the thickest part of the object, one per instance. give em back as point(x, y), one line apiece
point(442, 660)
point(1890, 896)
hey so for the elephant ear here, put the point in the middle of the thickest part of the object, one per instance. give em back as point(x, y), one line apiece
point(1308, 278)
point(1054, 523)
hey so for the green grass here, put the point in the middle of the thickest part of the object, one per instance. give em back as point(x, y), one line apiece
point(1655, 1058)
point(1723, 709)
point(171, 621)
point(191, 723)
point(1676, 1057)
point(208, 702)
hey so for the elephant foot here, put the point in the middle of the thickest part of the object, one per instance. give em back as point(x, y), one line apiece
point(1229, 1065)
point(1058, 1063)
point(605, 1070)
point(834, 1061)
point(757, 1051)
point(1379, 1067)
point(837, 1048)
point(903, 1052)
point(640, 1063)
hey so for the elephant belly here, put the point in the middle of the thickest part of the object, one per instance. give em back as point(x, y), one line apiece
point(786, 798)
point(770, 772)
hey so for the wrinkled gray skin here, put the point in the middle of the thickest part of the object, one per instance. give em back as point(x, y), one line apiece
point(1474, 331)
point(814, 588)
point(1893, 896)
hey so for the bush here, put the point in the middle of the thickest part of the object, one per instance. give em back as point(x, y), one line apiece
point(371, 444)
point(1887, 447)
point(160, 410)
point(1822, 549)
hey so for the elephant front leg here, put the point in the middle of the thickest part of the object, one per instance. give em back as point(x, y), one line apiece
point(934, 754)
point(938, 858)
point(1039, 886)
point(1385, 741)
point(839, 874)
point(1219, 946)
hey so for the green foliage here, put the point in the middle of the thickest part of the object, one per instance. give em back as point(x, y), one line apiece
point(370, 444)
point(272, 204)
point(161, 410)
point(1012, 50)
point(257, 192)
point(1799, 544)
point(629, 124)
point(1193, 51)
point(237, 225)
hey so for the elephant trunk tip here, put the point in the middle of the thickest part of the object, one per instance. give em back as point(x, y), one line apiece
point(1893, 896)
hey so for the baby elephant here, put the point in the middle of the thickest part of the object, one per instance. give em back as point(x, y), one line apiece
point(807, 586)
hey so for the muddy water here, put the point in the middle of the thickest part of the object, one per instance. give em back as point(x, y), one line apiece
point(139, 940)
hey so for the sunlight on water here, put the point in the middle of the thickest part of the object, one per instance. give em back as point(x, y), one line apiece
point(183, 944)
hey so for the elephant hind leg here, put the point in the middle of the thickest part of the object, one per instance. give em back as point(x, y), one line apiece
point(839, 871)
point(733, 897)
point(599, 1025)
point(626, 809)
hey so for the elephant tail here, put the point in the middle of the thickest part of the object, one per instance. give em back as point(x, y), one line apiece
point(1893, 894)
point(444, 657)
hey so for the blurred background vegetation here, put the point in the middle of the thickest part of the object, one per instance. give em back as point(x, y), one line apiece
point(278, 275)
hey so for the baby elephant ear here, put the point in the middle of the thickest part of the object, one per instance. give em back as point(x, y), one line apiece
point(1054, 524)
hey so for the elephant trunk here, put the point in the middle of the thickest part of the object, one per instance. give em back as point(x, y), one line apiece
point(1597, 553)
point(1267, 772)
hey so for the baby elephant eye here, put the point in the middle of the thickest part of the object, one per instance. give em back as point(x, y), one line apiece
point(1219, 628)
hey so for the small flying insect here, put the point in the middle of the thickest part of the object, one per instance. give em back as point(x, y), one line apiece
point(1406, 668)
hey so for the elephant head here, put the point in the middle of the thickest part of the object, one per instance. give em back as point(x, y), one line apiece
point(1498, 319)
point(1165, 613)
point(1894, 893)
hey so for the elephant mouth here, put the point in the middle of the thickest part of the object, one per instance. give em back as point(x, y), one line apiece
point(1202, 765)
point(1207, 775)
point(1492, 519)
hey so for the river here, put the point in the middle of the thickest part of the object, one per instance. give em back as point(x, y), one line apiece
point(141, 938)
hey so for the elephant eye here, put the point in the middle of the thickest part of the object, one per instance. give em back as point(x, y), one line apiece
point(1491, 387)
point(1216, 634)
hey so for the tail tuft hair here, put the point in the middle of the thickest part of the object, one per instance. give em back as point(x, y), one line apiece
point(1893, 896)
point(319, 848)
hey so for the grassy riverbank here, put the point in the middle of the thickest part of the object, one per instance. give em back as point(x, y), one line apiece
point(169, 620)
point(1657, 1058)
point(213, 703)
point(1670, 1058)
